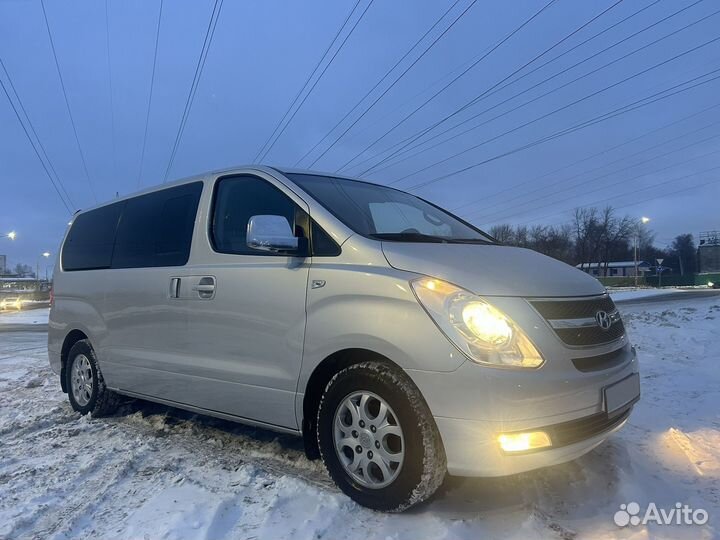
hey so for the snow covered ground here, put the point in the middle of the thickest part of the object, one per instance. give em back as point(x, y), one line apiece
point(153, 472)
point(30, 316)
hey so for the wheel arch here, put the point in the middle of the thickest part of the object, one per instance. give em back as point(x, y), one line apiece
point(319, 379)
point(70, 339)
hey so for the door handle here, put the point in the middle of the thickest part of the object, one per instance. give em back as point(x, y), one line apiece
point(174, 287)
point(205, 287)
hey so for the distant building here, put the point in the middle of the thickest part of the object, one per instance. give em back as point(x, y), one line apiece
point(614, 269)
point(709, 252)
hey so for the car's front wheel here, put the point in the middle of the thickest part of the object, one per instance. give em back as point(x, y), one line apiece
point(378, 439)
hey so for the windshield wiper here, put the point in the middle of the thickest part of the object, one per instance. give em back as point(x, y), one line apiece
point(468, 241)
point(409, 237)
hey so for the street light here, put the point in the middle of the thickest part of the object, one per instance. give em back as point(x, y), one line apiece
point(643, 221)
point(45, 254)
point(11, 235)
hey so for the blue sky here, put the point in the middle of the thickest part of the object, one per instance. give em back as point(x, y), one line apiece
point(262, 52)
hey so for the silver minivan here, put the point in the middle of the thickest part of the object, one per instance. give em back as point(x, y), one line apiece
point(399, 341)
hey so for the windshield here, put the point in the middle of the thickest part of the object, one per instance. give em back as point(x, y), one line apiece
point(385, 213)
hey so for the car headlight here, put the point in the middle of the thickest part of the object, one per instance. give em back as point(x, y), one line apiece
point(480, 330)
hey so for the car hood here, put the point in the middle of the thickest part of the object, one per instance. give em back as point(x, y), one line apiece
point(492, 270)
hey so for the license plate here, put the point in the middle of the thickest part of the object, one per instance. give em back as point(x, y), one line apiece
point(621, 393)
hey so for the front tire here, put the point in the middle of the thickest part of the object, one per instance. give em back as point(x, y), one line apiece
point(378, 439)
point(85, 384)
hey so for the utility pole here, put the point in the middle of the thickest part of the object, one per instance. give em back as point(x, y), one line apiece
point(643, 221)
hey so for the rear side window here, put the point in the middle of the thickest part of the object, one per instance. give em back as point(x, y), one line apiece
point(239, 198)
point(89, 244)
point(151, 230)
point(156, 229)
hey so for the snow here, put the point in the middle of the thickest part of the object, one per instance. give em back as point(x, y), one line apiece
point(31, 316)
point(153, 472)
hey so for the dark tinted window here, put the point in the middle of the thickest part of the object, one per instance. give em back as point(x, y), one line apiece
point(89, 244)
point(239, 198)
point(156, 229)
point(322, 244)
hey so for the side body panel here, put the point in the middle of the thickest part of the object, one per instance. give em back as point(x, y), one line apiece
point(244, 343)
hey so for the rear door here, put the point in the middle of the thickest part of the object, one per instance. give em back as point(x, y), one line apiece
point(246, 307)
point(146, 328)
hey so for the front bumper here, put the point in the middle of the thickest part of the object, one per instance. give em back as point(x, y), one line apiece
point(473, 405)
point(472, 449)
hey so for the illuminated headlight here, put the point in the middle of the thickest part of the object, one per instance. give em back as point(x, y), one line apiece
point(480, 330)
point(523, 442)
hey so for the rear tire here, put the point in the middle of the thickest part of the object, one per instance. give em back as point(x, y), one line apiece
point(378, 439)
point(85, 384)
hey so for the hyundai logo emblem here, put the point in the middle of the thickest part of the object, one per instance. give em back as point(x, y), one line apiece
point(603, 320)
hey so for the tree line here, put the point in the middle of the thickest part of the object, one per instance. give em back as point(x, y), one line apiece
point(600, 236)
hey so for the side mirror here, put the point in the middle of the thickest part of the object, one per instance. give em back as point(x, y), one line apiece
point(271, 233)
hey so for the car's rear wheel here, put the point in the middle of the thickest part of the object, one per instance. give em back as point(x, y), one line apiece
point(85, 384)
point(378, 439)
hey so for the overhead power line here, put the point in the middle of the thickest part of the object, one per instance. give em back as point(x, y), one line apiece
point(150, 96)
point(508, 202)
point(489, 197)
point(307, 95)
point(408, 144)
point(643, 102)
point(448, 85)
point(654, 186)
point(110, 86)
point(377, 84)
point(307, 81)
point(559, 109)
point(397, 79)
point(67, 102)
point(55, 183)
point(209, 33)
point(400, 147)
point(502, 215)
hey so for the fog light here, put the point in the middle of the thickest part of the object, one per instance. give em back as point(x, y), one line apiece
point(522, 442)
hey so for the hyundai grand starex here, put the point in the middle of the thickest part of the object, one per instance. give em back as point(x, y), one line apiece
point(399, 341)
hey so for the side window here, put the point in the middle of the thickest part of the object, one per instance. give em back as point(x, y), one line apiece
point(156, 229)
point(89, 244)
point(236, 200)
point(322, 244)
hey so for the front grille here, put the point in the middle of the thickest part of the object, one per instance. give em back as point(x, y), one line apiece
point(576, 308)
point(601, 361)
point(573, 320)
point(581, 429)
point(584, 428)
point(591, 335)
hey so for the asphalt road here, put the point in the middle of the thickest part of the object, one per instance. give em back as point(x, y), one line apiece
point(687, 294)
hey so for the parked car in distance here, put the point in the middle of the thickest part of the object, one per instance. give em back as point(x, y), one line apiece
point(11, 303)
point(399, 341)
